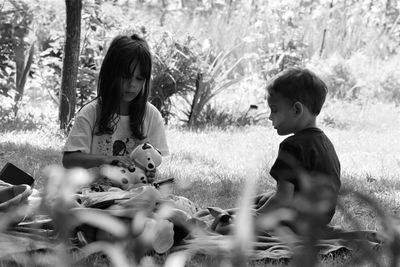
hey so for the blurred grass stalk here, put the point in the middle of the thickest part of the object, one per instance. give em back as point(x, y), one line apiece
point(244, 230)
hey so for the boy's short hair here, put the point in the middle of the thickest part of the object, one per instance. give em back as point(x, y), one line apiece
point(299, 84)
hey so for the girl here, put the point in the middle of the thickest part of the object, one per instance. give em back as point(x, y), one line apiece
point(108, 128)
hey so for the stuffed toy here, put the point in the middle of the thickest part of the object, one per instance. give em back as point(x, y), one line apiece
point(144, 158)
point(124, 178)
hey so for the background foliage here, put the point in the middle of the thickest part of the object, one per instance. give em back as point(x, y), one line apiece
point(352, 44)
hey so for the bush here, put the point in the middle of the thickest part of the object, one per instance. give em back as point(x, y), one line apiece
point(341, 82)
point(338, 76)
point(210, 116)
point(15, 22)
point(174, 70)
point(391, 88)
point(333, 122)
point(9, 121)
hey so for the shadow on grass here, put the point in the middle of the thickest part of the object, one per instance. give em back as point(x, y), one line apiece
point(29, 158)
point(383, 192)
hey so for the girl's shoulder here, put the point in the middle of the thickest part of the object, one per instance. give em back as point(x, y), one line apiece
point(151, 109)
point(91, 107)
point(152, 113)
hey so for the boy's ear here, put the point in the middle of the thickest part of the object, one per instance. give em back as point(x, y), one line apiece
point(298, 108)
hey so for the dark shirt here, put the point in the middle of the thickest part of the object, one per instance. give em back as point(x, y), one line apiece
point(309, 152)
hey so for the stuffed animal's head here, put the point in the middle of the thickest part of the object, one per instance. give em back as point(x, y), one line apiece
point(123, 177)
point(146, 156)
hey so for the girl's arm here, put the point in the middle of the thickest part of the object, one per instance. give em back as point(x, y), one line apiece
point(84, 160)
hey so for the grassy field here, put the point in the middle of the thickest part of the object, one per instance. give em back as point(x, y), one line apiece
point(211, 166)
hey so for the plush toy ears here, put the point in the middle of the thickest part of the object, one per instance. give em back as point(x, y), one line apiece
point(146, 146)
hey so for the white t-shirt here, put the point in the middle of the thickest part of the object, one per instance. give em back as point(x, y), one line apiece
point(82, 136)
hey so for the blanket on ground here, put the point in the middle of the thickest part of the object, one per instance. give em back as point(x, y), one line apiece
point(274, 246)
point(188, 229)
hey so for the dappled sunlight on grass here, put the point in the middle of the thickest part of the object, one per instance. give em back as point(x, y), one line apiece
point(30, 158)
point(371, 152)
point(32, 115)
point(41, 139)
point(235, 152)
point(220, 193)
point(384, 191)
point(360, 115)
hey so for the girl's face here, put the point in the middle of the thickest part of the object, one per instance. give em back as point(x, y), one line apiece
point(282, 114)
point(133, 86)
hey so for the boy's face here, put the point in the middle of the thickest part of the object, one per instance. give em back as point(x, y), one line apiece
point(283, 115)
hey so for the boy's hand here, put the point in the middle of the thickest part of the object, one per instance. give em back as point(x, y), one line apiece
point(261, 200)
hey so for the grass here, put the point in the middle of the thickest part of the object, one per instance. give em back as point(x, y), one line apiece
point(211, 166)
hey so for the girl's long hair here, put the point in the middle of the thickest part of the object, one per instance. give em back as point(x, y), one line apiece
point(123, 56)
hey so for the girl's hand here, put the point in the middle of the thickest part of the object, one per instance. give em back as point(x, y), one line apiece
point(151, 176)
point(121, 161)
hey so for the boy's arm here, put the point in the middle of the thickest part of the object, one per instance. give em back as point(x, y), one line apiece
point(283, 195)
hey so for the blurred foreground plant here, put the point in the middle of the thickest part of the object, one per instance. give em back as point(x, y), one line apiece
point(126, 236)
point(390, 234)
point(125, 232)
point(297, 231)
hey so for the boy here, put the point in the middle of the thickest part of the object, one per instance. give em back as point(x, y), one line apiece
point(306, 159)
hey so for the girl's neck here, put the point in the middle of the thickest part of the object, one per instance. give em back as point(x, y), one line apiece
point(124, 108)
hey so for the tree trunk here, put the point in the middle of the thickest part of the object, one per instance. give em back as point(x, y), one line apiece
point(201, 96)
point(70, 62)
point(321, 49)
point(23, 60)
point(23, 68)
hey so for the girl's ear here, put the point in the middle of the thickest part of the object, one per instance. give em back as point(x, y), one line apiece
point(298, 108)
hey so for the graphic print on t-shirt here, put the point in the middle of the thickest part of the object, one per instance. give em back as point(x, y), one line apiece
point(119, 148)
point(123, 147)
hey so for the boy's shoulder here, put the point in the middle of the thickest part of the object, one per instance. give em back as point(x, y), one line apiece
point(309, 133)
point(305, 138)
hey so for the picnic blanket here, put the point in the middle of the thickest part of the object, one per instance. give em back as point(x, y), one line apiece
point(270, 245)
point(183, 227)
